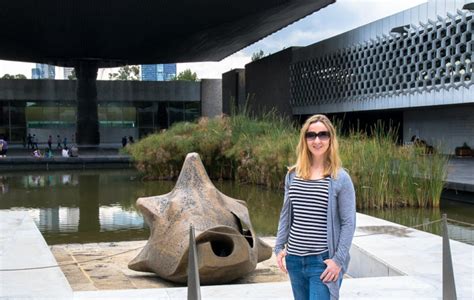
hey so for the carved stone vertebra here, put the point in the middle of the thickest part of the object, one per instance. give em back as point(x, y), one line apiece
point(226, 242)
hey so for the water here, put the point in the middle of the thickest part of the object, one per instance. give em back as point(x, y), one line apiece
point(99, 206)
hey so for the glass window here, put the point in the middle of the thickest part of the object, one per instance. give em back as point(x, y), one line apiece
point(145, 114)
point(129, 114)
point(67, 115)
point(4, 132)
point(50, 115)
point(102, 112)
point(143, 132)
point(17, 113)
point(161, 116)
point(175, 112)
point(192, 111)
point(4, 113)
point(114, 114)
point(40, 115)
point(117, 114)
point(18, 135)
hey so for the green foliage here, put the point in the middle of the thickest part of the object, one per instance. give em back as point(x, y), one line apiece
point(186, 75)
point(17, 76)
point(258, 55)
point(259, 150)
point(73, 75)
point(126, 73)
point(387, 175)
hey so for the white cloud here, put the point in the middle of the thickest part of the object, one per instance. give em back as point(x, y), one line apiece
point(215, 69)
point(15, 67)
point(342, 16)
point(337, 18)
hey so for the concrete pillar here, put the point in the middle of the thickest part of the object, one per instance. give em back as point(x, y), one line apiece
point(233, 91)
point(211, 97)
point(87, 128)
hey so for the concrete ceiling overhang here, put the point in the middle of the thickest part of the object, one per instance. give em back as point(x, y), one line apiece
point(118, 32)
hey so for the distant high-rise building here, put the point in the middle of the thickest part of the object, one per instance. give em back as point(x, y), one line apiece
point(159, 72)
point(43, 71)
point(35, 73)
point(67, 72)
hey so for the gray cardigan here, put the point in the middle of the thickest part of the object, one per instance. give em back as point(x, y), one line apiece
point(341, 217)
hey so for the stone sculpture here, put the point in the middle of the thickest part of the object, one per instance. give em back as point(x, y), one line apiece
point(226, 242)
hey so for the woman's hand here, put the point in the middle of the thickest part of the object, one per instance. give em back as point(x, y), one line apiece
point(332, 271)
point(280, 260)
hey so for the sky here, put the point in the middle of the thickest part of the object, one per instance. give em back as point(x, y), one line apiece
point(336, 18)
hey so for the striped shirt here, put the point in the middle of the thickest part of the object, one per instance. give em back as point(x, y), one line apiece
point(309, 204)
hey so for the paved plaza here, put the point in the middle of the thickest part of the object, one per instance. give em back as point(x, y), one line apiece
point(389, 264)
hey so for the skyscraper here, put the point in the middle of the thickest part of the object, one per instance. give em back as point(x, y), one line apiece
point(35, 73)
point(43, 71)
point(67, 72)
point(158, 72)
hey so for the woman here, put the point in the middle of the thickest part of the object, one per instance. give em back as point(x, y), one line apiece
point(317, 221)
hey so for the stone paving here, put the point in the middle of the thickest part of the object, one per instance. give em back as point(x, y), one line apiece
point(113, 273)
point(385, 265)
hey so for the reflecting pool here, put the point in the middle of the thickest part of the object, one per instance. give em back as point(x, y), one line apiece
point(99, 206)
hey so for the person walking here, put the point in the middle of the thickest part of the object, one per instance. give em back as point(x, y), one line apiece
point(124, 141)
point(58, 138)
point(317, 221)
point(29, 141)
point(50, 142)
point(35, 141)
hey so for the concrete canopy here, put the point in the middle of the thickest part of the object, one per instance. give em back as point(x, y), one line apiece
point(119, 32)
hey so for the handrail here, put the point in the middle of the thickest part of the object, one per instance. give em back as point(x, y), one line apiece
point(449, 287)
point(194, 286)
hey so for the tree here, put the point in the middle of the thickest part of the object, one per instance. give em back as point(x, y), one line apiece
point(17, 76)
point(72, 76)
point(257, 55)
point(126, 73)
point(186, 75)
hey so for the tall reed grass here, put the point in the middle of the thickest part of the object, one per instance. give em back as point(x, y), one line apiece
point(259, 150)
point(388, 175)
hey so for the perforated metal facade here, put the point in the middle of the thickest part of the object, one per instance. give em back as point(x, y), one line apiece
point(431, 56)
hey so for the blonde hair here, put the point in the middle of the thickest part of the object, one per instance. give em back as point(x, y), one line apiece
point(304, 157)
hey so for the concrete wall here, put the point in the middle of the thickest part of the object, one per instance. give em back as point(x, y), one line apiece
point(148, 91)
point(267, 83)
point(365, 264)
point(65, 90)
point(211, 97)
point(233, 91)
point(38, 90)
point(443, 127)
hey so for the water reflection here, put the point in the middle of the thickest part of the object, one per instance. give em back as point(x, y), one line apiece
point(79, 206)
point(89, 203)
point(99, 206)
point(413, 217)
point(3, 185)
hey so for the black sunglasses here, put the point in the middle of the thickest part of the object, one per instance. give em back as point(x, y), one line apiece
point(322, 135)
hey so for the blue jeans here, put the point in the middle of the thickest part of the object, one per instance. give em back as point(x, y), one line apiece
point(304, 274)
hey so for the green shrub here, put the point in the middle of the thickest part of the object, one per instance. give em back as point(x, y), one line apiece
point(258, 151)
